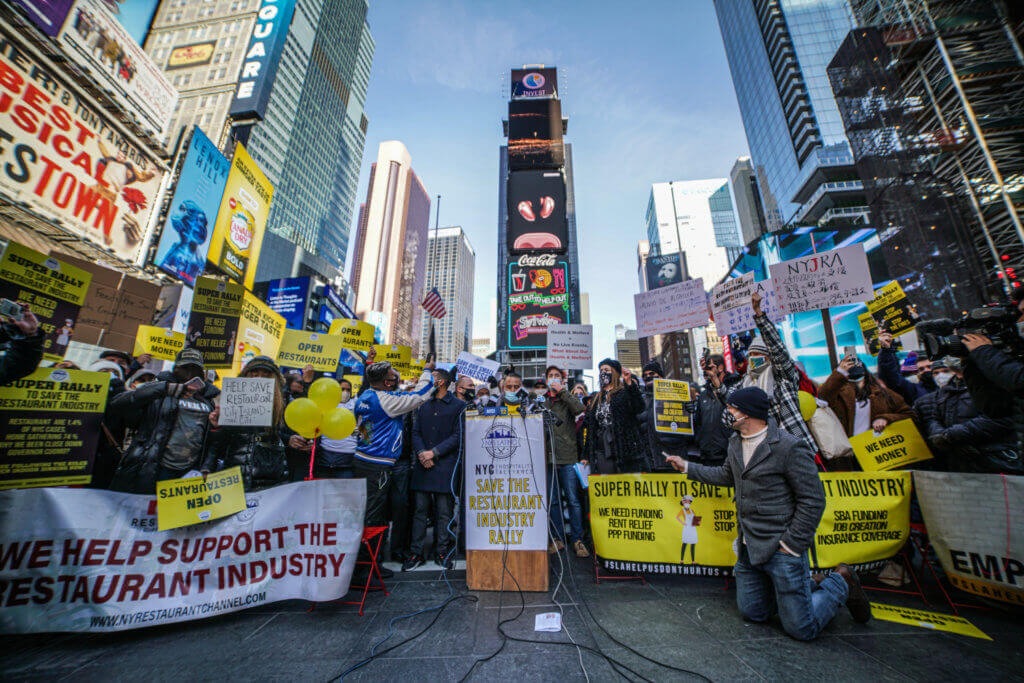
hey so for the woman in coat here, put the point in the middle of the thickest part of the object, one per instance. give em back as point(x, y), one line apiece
point(614, 438)
point(859, 400)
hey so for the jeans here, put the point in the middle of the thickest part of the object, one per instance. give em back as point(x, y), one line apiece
point(325, 472)
point(784, 584)
point(569, 483)
point(443, 503)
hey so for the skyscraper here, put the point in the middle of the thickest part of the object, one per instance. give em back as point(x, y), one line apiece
point(679, 218)
point(747, 201)
point(725, 222)
point(391, 247)
point(451, 267)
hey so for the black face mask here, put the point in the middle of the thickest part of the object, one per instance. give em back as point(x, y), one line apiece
point(926, 379)
point(606, 378)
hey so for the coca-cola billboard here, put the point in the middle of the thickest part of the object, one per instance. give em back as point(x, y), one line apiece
point(538, 297)
point(536, 212)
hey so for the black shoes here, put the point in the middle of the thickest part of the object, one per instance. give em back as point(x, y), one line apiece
point(857, 601)
point(445, 562)
point(413, 562)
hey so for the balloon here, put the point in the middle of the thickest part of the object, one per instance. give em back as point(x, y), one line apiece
point(338, 423)
point(303, 416)
point(808, 405)
point(325, 393)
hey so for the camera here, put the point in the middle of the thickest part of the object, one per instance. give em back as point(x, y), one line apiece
point(998, 322)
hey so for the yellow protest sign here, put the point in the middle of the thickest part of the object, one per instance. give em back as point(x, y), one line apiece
point(213, 321)
point(356, 381)
point(416, 367)
point(898, 445)
point(932, 620)
point(670, 414)
point(161, 343)
point(300, 348)
point(399, 356)
point(355, 334)
point(241, 220)
point(892, 310)
point(867, 517)
point(260, 329)
point(182, 502)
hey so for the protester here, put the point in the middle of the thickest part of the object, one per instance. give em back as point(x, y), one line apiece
point(400, 505)
point(258, 451)
point(484, 399)
point(889, 372)
point(579, 390)
point(540, 388)
point(22, 339)
point(171, 418)
point(294, 386)
point(779, 503)
point(511, 392)
point(141, 376)
point(334, 456)
point(564, 407)
point(436, 444)
point(658, 442)
point(464, 390)
point(122, 359)
point(711, 434)
point(858, 399)
point(614, 438)
point(112, 428)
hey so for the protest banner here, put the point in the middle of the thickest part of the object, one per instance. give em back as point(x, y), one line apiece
point(396, 354)
point(50, 426)
point(670, 413)
point(183, 502)
point(899, 444)
point(247, 402)
point(506, 492)
point(87, 560)
point(213, 321)
point(356, 381)
point(161, 343)
point(480, 369)
point(300, 348)
point(416, 368)
point(892, 309)
point(355, 334)
point(259, 332)
point(974, 525)
point(731, 306)
point(931, 620)
point(670, 309)
point(827, 278)
point(571, 347)
point(645, 523)
point(53, 289)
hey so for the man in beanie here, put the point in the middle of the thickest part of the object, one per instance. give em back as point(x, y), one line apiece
point(779, 502)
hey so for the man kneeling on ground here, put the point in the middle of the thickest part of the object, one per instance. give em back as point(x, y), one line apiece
point(779, 501)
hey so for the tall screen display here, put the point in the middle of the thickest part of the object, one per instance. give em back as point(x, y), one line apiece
point(287, 297)
point(538, 296)
point(536, 212)
point(531, 83)
point(535, 134)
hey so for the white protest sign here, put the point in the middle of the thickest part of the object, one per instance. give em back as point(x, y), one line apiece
point(247, 402)
point(828, 278)
point(670, 309)
point(571, 346)
point(480, 369)
point(730, 303)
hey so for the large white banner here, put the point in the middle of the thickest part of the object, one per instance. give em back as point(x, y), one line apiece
point(506, 487)
point(88, 560)
point(670, 309)
point(827, 278)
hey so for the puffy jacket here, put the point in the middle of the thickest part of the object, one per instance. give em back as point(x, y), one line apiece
point(889, 372)
point(659, 443)
point(996, 382)
point(629, 440)
point(710, 432)
point(166, 429)
point(23, 354)
point(258, 451)
point(565, 407)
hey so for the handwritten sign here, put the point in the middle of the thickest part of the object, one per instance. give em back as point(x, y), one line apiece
point(829, 278)
point(247, 401)
point(571, 346)
point(730, 303)
point(672, 308)
point(480, 369)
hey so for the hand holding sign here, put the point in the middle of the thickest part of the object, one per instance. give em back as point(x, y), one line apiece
point(755, 301)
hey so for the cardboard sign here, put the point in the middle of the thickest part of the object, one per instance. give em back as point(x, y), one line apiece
point(399, 356)
point(898, 445)
point(480, 369)
point(670, 414)
point(864, 511)
point(355, 334)
point(571, 346)
point(247, 401)
point(300, 348)
point(929, 620)
point(183, 502)
point(828, 278)
point(731, 307)
point(159, 342)
point(672, 308)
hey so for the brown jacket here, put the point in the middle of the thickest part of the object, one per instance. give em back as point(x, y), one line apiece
point(840, 394)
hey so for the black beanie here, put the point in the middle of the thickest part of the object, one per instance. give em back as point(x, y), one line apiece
point(655, 367)
point(751, 401)
point(611, 362)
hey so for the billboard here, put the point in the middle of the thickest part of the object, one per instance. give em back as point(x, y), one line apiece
point(194, 54)
point(94, 40)
point(193, 210)
point(69, 163)
point(257, 78)
point(241, 220)
point(664, 270)
point(287, 297)
point(48, 15)
point(530, 83)
point(538, 297)
point(135, 16)
point(536, 212)
point(535, 134)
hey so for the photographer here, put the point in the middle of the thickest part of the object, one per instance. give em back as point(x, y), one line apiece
point(711, 434)
point(889, 372)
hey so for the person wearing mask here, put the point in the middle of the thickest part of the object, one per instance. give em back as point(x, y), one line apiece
point(658, 442)
point(779, 503)
point(711, 434)
point(258, 451)
point(961, 438)
point(859, 400)
point(484, 399)
point(112, 428)
point(436, 440)
point(579, 390)
point(22, 339)
point(889, 372)
point(334, 456)
point(122, 359)
point(465, 392)
point(141, 376)
point(614, 440)
point(294, 387)
point(540, 387)
point(171, 418)
point(563, 452)
point(511, 392)
point(770, 368)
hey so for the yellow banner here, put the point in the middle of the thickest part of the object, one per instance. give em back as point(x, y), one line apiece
point(399, 356)
point(260, 329)
point(355, 334)
point(930, 620)
point(241, 220)
point(300, 348)
point(183, 502)
point(670, 414)
point(898, 445)
point(867, 517)
point(161, 343)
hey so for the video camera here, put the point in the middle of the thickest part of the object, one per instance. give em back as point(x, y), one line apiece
point(998, 322)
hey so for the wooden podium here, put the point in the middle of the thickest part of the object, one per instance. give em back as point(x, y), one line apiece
point(485, 570)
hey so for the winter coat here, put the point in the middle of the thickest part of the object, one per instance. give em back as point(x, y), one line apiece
point(23, 354)
point(629, 441)
point(565, 407)
point(165, 428)
point(785, 405)
point(259, 452)
point(437, 427)
point(996, 381)
point(841, 396)
point(112, 434)
point(711, 433)
point(659, 443)
point(889, 372)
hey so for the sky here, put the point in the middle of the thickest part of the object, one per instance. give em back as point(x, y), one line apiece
point(646, 88)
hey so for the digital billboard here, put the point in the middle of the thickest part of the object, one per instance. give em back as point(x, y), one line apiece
point(287, 297)
point(194, 54)
point(257, 78)
point(530, 83)
point(536, 212)
point(48, 15)
point(193, 210)
point(664, 270)
point(538, 297)
point(535, 134)
point(241, 220)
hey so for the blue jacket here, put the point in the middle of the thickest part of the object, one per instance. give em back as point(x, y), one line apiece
point(889, 372)
point(437, 426)
point(380, 421)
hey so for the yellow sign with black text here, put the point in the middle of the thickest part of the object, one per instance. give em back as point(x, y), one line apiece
point(931, 620)
point(241, 220)
point(866, 518)
point(183, 502)
point(898, 445)
point(399, 356)
point(260, 329)
point(670, 413)
point(355, 334)
point(162, 343)
point(300, 348)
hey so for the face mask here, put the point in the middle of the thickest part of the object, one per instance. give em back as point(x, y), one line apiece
point(856, 373)
point(926, 379)
point(942, 378)
point(758, 363)
point(606, 378)
point(733, 421)
point(539, 392)
point(511, 397)
point(345, 395)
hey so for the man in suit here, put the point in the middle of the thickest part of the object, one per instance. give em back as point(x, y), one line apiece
point(779, 501)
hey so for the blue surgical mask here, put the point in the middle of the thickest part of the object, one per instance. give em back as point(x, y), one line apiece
point(511, 397)
point(758, 362)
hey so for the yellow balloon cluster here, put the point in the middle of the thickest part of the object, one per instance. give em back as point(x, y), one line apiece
point(320, 412)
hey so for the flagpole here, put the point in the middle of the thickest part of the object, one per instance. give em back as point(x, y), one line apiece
point(433, 278)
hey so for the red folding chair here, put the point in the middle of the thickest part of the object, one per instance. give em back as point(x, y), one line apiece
point(373, 536)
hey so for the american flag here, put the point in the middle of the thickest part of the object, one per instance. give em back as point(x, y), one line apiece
point(434, 304)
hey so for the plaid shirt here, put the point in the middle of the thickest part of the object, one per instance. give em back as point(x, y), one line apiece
point(785, 406)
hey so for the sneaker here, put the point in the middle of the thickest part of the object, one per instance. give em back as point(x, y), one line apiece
point(445, 562)
point(857, 601)
point(413, 562)
point(581, 550)
point(555, 546)
point(385, 573)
